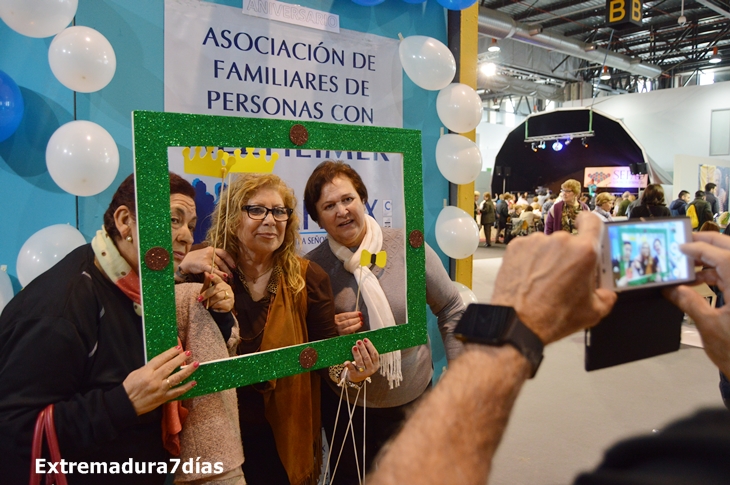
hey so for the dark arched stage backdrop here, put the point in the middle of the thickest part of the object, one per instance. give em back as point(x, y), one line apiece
point(611, 145)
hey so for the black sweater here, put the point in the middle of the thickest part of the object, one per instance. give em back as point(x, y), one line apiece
point(71, 337)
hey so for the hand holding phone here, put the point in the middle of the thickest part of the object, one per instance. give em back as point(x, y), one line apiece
point(645, 253)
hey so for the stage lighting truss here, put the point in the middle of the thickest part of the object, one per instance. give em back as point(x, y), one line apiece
point(559, 141)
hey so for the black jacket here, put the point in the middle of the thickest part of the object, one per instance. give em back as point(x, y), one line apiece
point(642, 210)
point(714, 203)
point(71, 337)
point(678, 207)
point(704, 212)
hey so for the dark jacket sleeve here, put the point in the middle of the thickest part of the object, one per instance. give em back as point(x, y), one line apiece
point(708, 212)
point(320, 304)
point(43, 362)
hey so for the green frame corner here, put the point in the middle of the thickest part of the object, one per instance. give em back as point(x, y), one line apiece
point(154, 132)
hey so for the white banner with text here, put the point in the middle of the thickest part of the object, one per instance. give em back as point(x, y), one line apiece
point(219, 61)
point(616, 177)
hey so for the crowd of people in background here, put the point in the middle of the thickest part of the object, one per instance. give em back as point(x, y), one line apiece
point(502, 217)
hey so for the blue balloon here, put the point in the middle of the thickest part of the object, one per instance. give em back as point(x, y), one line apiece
point(414, 1)
point(456, 4)
point(368, 3)
point(11, 106)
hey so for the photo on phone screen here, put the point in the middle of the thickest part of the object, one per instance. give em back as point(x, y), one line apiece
point(646, 253)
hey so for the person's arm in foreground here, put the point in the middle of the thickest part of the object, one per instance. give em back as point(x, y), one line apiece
point(452, 436)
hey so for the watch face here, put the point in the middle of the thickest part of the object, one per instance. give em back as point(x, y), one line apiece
point(484, 323)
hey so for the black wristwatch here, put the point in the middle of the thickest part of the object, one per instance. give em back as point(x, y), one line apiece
point(499, 325)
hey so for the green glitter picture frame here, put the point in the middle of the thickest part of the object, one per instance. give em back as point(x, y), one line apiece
point(154, 132)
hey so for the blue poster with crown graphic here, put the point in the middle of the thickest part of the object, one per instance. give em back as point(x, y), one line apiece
point(381, 172)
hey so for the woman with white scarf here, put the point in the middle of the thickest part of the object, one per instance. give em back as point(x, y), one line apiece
point(604, 204)
point(335, 198)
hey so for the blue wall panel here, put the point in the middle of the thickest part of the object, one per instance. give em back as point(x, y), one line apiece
point(30, 200)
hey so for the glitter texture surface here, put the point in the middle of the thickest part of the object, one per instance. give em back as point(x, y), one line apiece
point(154, 132)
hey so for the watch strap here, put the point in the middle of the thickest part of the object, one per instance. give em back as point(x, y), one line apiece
point(526, 342)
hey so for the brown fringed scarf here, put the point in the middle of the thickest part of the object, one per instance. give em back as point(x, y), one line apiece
point(292, 405)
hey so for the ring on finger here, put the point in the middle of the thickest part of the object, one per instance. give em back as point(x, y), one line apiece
point(169, 384)
point(361, 369)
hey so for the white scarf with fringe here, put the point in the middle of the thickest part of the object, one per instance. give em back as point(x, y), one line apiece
point(379, 313)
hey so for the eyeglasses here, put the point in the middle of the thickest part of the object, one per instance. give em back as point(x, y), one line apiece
point(259, 212)
point(566, 191)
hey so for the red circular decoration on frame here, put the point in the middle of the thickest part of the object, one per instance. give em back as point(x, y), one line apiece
point(298, 135)
point(308, 357)
point(157, 258)
point(416, 239)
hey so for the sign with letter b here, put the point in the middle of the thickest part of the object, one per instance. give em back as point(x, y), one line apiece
point(621, 14)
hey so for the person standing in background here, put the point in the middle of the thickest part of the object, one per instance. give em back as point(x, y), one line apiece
point(487, 217)
point(621, 211)
point(710, 190)
point(678, 207)
point(702, 208)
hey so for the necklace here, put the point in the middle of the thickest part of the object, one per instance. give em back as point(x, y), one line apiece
point(253, 279)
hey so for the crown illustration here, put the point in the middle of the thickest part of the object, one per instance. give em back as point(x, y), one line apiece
point(206, 165)
point(253, 164)
point(224, 163)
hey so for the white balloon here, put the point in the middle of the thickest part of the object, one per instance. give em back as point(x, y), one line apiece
point(38, 18)
point(82, 158)
point(459, 107)
point(82, 59)
point(6, 288)
point(44, 249)
point(467, 296)
point(428, 62)
point(458, 158)
point(457, 233)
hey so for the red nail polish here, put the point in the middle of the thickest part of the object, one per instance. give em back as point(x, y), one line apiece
point(359, 342)
point(360, 313)
point(179, 347)
point(195, 383)
point(196, 364)
point(225, 275)
point(354, 348)
point(188, 353)
point(199, 298)
point(366, 340)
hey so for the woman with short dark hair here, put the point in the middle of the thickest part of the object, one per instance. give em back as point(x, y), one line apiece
point(74, 338)
point(335, 198)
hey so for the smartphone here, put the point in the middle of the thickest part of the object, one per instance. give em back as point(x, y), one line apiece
point(645, 253)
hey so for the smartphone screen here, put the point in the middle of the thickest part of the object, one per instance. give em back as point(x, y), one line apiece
point(640, 254)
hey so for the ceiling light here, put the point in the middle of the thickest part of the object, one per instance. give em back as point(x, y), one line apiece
point(495, 105)
point(557, 146)
point(605, 75)
point(541, 146)
point(715, 57)
point(493, 47)
point(584, 142)
point(682, 19)
point(534, 147)
point(488, 68)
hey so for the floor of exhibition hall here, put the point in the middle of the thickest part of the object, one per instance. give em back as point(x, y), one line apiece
point(566, 417)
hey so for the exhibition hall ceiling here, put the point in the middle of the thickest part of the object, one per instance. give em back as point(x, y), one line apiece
point(663, 43)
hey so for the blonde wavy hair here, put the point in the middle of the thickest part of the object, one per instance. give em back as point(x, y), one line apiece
point(573, 185)
point(242, 189)
point(604, 197)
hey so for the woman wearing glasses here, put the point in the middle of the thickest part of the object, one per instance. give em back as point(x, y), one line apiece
point(562, 215)
point(280, 300)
